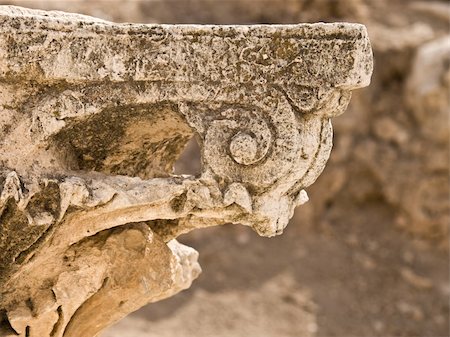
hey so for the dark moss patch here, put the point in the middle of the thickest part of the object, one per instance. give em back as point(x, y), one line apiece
point(165, 228)
point(139, 140)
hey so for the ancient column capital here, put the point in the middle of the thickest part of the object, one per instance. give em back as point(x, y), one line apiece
point(94, 114)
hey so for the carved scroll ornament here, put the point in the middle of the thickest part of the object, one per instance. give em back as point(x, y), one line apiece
point(93, 116)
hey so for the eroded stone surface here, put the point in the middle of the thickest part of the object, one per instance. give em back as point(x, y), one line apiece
point(93, 116)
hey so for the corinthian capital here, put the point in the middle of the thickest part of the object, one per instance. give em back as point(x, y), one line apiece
point(94, 114)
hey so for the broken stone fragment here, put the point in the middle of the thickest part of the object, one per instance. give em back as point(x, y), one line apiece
point(93, 116)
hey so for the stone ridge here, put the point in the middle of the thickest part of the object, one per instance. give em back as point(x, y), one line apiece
point(50, 19)
point(167, 52)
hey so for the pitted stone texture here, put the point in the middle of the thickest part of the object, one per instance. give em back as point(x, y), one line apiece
point(94, 114)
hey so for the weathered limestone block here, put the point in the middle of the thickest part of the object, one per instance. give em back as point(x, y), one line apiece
point(94, 114)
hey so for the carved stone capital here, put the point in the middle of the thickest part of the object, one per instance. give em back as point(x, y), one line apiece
point(94, 114)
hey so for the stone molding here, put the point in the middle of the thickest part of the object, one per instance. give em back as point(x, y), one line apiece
point(93, 116)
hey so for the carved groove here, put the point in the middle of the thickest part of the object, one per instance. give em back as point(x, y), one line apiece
point(58, 325)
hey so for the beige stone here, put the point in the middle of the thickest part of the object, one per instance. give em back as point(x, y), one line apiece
point(93, 116)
